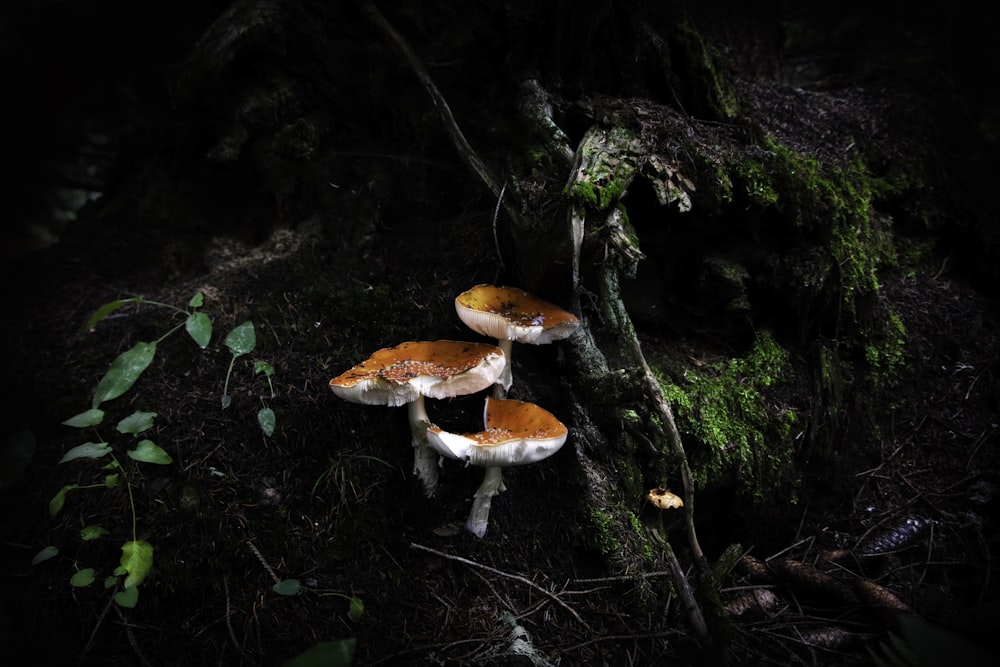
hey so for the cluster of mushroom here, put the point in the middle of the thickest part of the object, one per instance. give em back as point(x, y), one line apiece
point(515, 432)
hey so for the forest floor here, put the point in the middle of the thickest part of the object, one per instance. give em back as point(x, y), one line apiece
point(329, 500)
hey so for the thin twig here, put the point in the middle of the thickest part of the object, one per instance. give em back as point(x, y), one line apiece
point(686, 595)
point(624, 577)
point(496, 239)
point(611, 294)
point(131, 638)
point(465, 150)
point(616, 638)
point(97, 626)
point(260, 557)
point(229, 619)
point(555, 598)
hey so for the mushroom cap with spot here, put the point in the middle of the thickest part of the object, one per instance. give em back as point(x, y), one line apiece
point(513, 314)
point(664, 499)
point(437, 369)
point(517, 433)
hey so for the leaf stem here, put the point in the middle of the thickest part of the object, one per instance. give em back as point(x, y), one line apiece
point(131, 498)
point(160, 339)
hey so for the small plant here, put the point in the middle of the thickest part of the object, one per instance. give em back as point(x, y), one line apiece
point(137, 555)
point(240, 341)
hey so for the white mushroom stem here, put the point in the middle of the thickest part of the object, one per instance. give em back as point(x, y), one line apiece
point(492, 485)
point(425, 459)
point(506, 378)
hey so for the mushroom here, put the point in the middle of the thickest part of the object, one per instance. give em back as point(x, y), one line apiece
point(517, 433)
point(510, 314)
point(664, 499)
point(406, 373)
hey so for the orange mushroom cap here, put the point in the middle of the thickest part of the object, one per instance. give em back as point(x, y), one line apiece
point(664, 499)
point(437, 369)
point(513, 314)
point(517, 433)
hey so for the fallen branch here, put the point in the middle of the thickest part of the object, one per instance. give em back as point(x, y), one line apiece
point(552, 596)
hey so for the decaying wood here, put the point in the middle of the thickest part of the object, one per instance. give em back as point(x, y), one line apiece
point(610, 160)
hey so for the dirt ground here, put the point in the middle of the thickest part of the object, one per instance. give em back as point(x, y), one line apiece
point(329, 500)
point(892, 561)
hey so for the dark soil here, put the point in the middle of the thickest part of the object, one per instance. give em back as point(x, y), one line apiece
point(329, 499)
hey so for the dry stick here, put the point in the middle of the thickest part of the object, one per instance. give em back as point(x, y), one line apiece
point(229, 619)
point(516, 577)
point(260, 557)
point(613, 301)
point(623, 577)
point(687, 597)
point(465, 150)
point(617, 638)
point(616, 309)
point(97, 626)
point(496, 239)
point(131, 638)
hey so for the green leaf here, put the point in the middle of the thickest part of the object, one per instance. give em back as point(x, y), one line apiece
point(197, 301)
point(111, 581)
point(58, 500)
point(88, 450)
point(124, 371)
point(111, 481)
point(84, 577)
point(336, 653)
point(267, 421)
point(91, 417)
point(137, 560)
point(226, 401)
point(147, 452)
point(241, 340)
point(127, 598)
point(199, 327)
point(45, 554)
point(263, 367)
point(356, 609)
point(137, 422)
point(287, 587)
point(89, 533)
point(106, 310)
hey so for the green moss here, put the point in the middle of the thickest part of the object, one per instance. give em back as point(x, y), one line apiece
point(602, 531)
point(647, 548)
point(757, 183)
point(583, 192)
point(724, 409)
point(834, 206)
point(707, 67)
point(884, 352)
point(832, 273)
point(608, 163)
